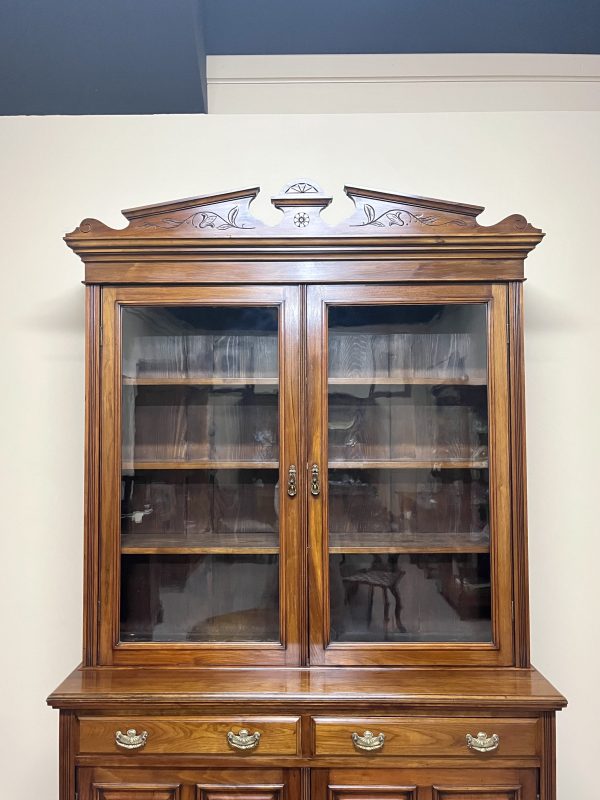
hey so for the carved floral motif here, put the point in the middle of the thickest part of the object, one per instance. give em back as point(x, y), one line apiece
point(203, 219)
point(401, 217)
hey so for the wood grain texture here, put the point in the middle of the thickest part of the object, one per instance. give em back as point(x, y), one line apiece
point(103, 782)
point(127, 791)
point(93, 322)
point(106, 688)
point(519, 473)
point(394, 542)
point(548, 770)
point(436, 783)
point(279, 735)
point(66, 767)
point(320, 266)
point(433, 736)
point(383, 223)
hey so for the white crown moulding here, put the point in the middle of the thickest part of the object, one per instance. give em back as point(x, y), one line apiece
point(403, 82)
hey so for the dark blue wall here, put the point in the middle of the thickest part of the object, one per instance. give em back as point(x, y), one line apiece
point(402, 26)
point(101, 57)
point(148, 56)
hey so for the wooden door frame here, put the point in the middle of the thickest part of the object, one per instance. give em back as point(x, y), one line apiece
point(292, 591)
point(501, 651)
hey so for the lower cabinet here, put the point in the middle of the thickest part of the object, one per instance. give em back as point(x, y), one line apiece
point(105, 783)
point(157, 783)
point(424, 784)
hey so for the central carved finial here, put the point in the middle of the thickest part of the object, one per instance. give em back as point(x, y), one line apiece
point(296, 199)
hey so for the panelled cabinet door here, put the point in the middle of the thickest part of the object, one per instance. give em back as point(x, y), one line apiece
point(409, 513)
point(200, 549)
point(373, 793)
point(494, 788)
point(239, 793)
point(167, 783)
point(424, 784)
point(152, 791)
point(478, 793)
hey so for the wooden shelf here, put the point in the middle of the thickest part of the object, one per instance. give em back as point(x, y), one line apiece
point(475, 380)
point(182, 464)
point(199, 544)
point(397, 542)
point(199, 381)
point(406, 464)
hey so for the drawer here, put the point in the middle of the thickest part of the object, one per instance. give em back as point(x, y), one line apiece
point(424, 736)
point(190, 735)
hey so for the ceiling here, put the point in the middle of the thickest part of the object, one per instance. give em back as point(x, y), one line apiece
point(149, 56)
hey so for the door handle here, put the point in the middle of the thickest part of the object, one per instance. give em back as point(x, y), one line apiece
point(292, 486)
point(315, 485)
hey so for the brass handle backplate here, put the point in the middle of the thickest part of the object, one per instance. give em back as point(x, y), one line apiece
point(368, 741)
point(131, 739)
point(482, 742)
point(243, 740)
point(315, 486)
point(292, 487)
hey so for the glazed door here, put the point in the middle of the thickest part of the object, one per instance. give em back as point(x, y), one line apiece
point(409, 515)
point(200, 554)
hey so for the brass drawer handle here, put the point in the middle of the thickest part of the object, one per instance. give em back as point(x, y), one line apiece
point(368, 741)
point(131, 740)
point(292, 487)
point(243, 740)
point(315, 486)
point(482, 742)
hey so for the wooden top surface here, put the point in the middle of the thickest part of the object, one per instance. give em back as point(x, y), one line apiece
point(102, 687)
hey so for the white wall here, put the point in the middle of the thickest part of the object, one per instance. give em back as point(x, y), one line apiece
point(55, 171)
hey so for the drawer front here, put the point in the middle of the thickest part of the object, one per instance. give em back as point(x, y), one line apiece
point(213, 735)
point(424, 736)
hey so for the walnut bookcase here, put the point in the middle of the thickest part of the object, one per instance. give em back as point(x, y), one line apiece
point(305, 509)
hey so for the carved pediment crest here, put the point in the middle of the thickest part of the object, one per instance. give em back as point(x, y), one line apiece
point(377, 215)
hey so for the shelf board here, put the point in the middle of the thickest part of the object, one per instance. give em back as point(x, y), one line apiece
point(414, 464)
point(387, 380)
point(199, 381)
point(183, 464)
point(397, 542)
point(208, 544)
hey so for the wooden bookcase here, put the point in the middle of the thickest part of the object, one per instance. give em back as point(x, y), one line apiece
point(305, 519)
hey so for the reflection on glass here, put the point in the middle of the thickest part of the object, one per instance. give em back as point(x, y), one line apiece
point(410, 598)
point(210, 598)
point(200, 474)
point(409, 534)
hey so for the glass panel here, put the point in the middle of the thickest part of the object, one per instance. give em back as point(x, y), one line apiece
point(409, 534)
point(200, 474)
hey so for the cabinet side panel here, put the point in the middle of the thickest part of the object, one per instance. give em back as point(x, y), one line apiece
point(518, 473)
point(92, 473)
point(66, 775)
point(548, 771)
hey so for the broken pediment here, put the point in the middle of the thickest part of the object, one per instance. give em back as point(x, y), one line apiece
point(228, 215)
